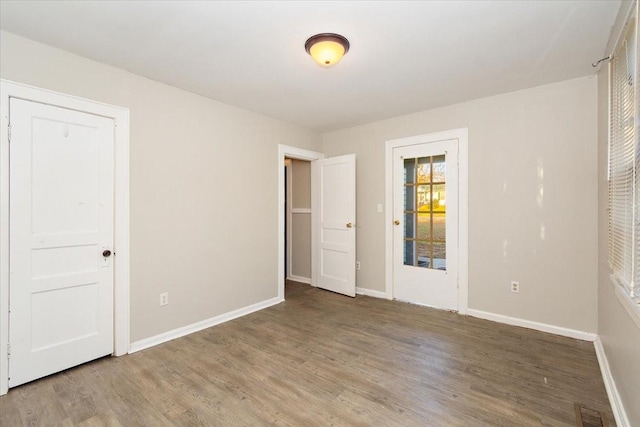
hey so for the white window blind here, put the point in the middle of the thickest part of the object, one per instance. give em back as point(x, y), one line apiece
point(624, 165)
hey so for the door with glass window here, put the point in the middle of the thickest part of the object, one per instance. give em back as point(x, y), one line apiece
point(425, 204)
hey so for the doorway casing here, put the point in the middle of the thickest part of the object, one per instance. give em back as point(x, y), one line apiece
point(120, 116)
point(463, 207)
point(286, 151)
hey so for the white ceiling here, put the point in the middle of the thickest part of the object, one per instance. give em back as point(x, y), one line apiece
point(405, 56)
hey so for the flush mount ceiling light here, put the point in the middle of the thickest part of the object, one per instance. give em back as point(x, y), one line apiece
point(327, 49)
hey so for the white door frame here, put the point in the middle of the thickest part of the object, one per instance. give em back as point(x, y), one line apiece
point(463, 207)
point(288, 177)
point(285, 151)
point(120, 116)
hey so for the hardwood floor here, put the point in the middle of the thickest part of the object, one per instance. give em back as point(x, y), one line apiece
point(325, 359)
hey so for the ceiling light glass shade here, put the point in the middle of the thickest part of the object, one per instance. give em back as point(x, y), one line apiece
point(327, 49)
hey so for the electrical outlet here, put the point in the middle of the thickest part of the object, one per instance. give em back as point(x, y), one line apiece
point(164, 298)
point(515, 286)
point(357, 265)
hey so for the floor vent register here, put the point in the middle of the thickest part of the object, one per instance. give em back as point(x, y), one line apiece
point(587, 417)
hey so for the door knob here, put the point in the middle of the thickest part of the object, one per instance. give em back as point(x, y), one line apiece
point(349, 225)
point(396, 222)
point(106, 253)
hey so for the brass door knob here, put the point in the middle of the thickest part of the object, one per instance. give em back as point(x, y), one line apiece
point(349, 225)
point(106, 253)
point(396, 222)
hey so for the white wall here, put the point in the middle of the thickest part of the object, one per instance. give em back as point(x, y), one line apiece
point(619, 334)
point(532, 198)
point(199, 169)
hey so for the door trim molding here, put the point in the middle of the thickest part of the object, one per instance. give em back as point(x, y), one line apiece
point(289, 227)
point(120, 115)
point(463, 207)
point(287, 151)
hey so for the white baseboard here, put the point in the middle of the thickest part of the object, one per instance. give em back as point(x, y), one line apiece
point(543, 327)
point(371, 293)
point(198, 326)
point(612, 391)
point(300, 279)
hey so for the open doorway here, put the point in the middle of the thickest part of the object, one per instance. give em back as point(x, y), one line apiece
point(292, 153)
point(298, 220)
point(332, 215)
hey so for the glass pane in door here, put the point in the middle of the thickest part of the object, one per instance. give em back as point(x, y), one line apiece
point(439, 169)
point(425, 212)
point(409, 249)
point(409, 171)
point(423, 170)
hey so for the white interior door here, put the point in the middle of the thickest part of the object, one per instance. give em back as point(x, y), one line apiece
point(425, 204)
point(61, 231)
point(334, 213)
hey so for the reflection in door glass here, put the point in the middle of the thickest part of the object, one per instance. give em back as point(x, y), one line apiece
point(425, 212)
point(409, 172)
point(409, 251)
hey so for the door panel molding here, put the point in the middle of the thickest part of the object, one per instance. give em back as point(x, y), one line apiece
point(120, 116)
point(333, 199)
point(463, 207)
point(61, 221)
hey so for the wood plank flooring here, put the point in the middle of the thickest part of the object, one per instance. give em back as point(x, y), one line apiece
point(321, 359)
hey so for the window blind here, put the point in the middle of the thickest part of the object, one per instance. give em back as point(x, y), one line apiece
point(624, 165)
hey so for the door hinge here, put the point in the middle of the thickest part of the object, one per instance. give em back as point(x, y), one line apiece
point(9, 131)
point(8, 350)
